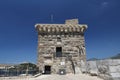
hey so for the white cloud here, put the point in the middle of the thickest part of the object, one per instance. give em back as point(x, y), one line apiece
point(104, 4)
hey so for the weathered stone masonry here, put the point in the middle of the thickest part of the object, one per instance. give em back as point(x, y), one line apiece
point(61, 46)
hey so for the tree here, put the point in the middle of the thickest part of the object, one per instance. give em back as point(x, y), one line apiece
point(27, 68)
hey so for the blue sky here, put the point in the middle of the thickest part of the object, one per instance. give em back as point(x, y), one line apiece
point(18, 37)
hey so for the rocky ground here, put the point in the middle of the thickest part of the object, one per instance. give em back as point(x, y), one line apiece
point(55, 77)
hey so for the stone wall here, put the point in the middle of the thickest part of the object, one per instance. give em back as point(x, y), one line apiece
point(71, 46)
point(108, 69)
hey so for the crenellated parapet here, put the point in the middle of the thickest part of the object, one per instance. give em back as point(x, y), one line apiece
point(60, 28)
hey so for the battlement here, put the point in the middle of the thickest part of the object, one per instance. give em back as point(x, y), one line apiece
point(69, 26)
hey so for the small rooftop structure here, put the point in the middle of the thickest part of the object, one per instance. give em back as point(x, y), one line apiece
point(72, 21)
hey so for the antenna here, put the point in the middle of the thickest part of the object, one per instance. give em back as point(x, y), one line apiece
point(51, 18)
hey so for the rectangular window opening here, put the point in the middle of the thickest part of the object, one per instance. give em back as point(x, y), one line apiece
point(58, 51)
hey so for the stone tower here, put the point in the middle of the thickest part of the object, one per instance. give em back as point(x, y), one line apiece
point(61, 47)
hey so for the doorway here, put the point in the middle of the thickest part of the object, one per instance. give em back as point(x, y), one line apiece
point(47, 69)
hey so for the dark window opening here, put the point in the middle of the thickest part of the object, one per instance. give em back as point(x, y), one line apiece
point(48, 57)
point(47, 69)
point(58, 51)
